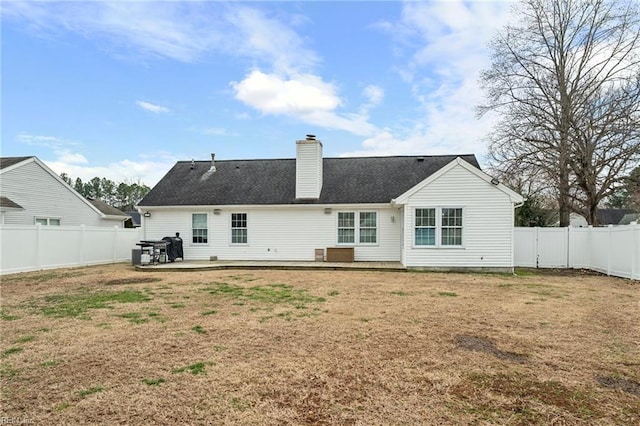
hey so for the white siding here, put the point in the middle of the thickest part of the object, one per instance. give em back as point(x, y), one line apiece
point(41, 195)
point(488, 223)
point(275, 233)
point(308, 169)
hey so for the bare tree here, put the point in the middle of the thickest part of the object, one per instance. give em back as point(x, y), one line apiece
point(564, 79)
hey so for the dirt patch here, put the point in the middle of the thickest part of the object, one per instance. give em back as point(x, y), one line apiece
point(480, 344)
point(626, 385)
point(133, 280)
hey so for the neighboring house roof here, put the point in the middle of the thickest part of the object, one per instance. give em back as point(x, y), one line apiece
point(10, 161)
point(263, 182)
point(612, 216)
point(7, 204)
point(135, 218)
point(107, 210)
point(629, 217)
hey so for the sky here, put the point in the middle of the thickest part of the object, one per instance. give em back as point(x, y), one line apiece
point(125, 89)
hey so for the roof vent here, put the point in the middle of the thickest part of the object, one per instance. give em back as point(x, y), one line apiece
point(193, 164)
point(420, 159)
point(311, 137)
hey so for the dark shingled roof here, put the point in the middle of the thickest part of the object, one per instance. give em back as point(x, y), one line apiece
point(10, 161)
point(261, 182)
point(106, 208)
point(8, 203)
point(612, 216)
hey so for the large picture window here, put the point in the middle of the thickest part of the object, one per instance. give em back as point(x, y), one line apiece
point(360, 227)
point(199, 229)
point(238, 228)
point(438, 227)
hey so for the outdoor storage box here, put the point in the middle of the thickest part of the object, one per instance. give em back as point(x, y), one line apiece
point(340, 254)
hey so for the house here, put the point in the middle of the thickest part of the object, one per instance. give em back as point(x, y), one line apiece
point(605, 217)
point(8, 205)
point(432, 212)
point(133, 221)
point(32, 193)
point(628, 218)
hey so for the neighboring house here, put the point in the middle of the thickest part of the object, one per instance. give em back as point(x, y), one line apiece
point(43, 197)
point(133, 221)
point(605, 217)
point(628, 218)
point(8, 205)
point(424, 211)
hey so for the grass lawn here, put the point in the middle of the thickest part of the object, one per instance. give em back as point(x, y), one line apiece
point(109, 345)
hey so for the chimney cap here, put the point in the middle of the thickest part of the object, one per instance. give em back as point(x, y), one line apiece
point(311, 137)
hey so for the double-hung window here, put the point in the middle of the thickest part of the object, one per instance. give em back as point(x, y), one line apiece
point(451, 227)
point(360, 227)
point(346, 227)
point(425, 231)
point(438, 227)
point(238, 228)
point(368, 230)
point(199, 229)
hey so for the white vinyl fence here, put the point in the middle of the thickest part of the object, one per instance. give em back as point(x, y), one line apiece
point(614, 250)
point(35, 247)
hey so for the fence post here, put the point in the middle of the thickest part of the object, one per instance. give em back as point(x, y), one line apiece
point(38, 246)
point(610, 245)
point(635, 250)
point(115, 243)
point(535, 246)
point(82, 245)
point(568, 240)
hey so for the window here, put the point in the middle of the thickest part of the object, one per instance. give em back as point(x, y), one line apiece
point(357, 226)
point(48, 221)
point(346, 228)
point(238, 228)
point(368, 227)
point(451, 227)
point(199, 231)
point(438, 227)
point(425, 234)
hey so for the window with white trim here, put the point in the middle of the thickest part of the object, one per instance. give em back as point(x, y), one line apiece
point(438, 227)
point(425, 230)
point(238, 228)
point(358, 226)
point(199, 228)
point(346, 227)
point(368, 229)
point(451, 227)
point(48, 221)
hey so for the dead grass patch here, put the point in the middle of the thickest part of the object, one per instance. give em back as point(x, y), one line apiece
point(106, 345)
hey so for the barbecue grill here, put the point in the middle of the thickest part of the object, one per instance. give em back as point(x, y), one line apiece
point(174, 247)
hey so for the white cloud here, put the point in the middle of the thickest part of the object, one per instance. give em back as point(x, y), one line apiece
point(149, 170)
point(305, 97)
point(183, 31)
point(214, 131)
point(272, 94)
point(152, 107)
point(446, 45)
point(62, 148)
point(374, 94)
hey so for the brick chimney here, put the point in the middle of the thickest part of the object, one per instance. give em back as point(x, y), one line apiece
point(308, 168)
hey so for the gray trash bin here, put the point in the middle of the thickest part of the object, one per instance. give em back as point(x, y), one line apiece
point(136, 256)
